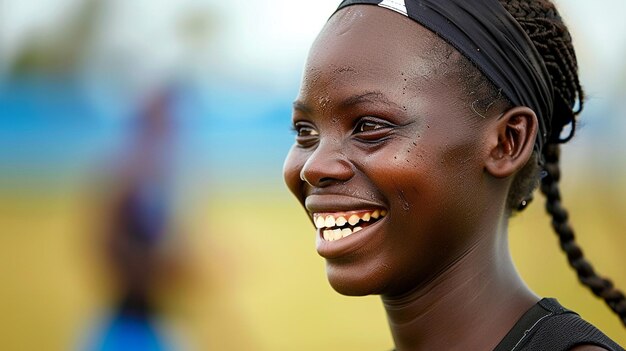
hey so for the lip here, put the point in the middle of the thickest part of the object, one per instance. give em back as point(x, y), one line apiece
point(338, 203)
point(347, 246)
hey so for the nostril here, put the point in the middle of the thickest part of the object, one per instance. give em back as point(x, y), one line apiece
point(322, 181)
point(326, 166)
point(325, 180)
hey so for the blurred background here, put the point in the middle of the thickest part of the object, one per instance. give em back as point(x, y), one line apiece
point(141, 196)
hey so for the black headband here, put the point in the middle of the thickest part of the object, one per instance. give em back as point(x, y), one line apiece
point(485, 33)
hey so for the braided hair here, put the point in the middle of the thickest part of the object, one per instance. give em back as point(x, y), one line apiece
point(545, 27)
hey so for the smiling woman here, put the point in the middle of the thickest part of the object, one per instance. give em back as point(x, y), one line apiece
point(421, 127)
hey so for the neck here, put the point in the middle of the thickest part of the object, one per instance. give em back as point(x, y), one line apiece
point(471, 305)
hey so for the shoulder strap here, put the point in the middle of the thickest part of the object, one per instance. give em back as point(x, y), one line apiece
point(550, 326)
point(523, 327)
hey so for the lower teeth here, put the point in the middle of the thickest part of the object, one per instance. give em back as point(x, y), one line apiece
point(336, 234)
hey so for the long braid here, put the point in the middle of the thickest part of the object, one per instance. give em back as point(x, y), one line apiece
point(544, 26)
point(601, 287)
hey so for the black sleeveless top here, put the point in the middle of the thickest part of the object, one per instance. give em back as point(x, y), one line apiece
point(548, 326)
point(551, 327)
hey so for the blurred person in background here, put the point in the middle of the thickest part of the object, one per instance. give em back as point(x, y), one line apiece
point(89, 126)
point(421, 127)
point(137, 230)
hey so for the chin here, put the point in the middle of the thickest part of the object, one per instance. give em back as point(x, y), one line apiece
point(352, 281)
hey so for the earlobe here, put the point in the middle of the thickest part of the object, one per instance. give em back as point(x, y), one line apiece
point(514, 134)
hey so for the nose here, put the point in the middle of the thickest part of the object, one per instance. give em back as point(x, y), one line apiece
point(327, 165)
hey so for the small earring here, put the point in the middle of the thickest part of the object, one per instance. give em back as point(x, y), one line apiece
point(524, 203)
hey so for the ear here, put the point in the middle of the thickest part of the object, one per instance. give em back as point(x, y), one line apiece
point(514, 136)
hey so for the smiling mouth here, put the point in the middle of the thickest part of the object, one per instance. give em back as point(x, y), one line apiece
point(338, 225)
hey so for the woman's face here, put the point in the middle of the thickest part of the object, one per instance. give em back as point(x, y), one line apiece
point(385, 131)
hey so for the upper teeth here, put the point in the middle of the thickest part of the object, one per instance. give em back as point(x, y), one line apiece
point(329, 222)
point(339, 219)
point(354, 219)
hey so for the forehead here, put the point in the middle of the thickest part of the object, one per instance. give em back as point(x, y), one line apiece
point(375, 45)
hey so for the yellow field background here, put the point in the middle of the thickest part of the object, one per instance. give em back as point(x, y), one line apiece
point(251, 278)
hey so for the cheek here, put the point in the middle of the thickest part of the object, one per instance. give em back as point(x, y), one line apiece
point(429, 192)
point(427, 182)
point(291, 169)
point(443, 201)
point(399, 169)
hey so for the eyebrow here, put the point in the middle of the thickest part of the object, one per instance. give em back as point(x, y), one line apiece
point(365, 97)
point(301, 106)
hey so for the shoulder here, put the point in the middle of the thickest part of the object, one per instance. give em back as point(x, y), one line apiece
point(566, 330)
point(553, 327)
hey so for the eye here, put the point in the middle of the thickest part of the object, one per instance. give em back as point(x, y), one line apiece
point(368, 126)
point(306, 134)
point(372, 129)
point(306, 131)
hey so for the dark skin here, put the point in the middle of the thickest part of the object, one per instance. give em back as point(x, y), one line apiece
point(382, 126)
